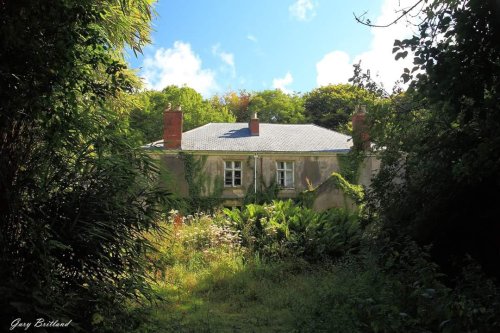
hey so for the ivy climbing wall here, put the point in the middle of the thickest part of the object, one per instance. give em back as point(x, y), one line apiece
point(200, 177)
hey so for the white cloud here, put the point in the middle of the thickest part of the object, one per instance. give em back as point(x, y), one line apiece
point(178, 65)
point(302, 10)
point(379, 58)
point(252, 38)
point(334, 68)
point(283, 82)
point(226, 57)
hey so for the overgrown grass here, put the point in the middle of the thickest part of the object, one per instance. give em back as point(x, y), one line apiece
point(262, 297)
point(212, 279)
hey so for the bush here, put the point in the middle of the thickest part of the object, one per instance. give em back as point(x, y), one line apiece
point(75, 196)
point(193, 243)
point(394, 287)
point(282, 229)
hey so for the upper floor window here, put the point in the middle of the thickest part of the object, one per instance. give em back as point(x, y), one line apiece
point(284, 174)
point(232, 173)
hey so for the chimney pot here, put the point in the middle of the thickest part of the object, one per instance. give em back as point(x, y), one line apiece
point(253, 125)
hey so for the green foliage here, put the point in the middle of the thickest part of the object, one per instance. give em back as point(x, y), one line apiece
point(349, 165)
point(274, 106)
point(146, 119)
point(353, 191)
point(394, 287)
point(196, 179)
point(237, 104)
point(75, 195)
point(197, 112)
point(202, 198)
point(212, 280)
point(306, 198)
point(441, 158)
point(474, 303)
point(283, 229)
point(193, 244)
point(265, 194)
point(332, 106)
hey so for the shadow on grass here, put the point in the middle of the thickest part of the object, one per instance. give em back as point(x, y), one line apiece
point(274, 297)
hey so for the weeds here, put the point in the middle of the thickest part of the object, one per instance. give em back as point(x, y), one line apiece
point(279, 268)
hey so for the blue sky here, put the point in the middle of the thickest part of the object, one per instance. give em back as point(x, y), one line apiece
point(294, 45)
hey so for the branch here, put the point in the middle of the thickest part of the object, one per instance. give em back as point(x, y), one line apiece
point(367, 23)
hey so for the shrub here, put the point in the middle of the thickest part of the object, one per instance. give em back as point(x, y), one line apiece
point(193, 243)
point(282, 229)
point(395, 287)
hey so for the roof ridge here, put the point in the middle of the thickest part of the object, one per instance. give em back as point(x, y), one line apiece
point(330, 130)
point(196, 128)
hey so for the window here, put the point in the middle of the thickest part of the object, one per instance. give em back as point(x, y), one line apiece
point(284, 174)
point(232, 173)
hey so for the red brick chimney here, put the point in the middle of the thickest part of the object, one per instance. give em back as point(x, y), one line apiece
point(253, 125)
point(172, 128)
point(360, 130)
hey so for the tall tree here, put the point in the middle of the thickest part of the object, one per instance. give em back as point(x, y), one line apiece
point(274, 106)
point(146, 119)
point(445, 143)
point(237, 103)
point(332, 106)
point(197, 111)
point(75, 196)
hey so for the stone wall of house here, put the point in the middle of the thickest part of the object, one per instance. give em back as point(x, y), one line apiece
point(368, 169)
point(328, 196)
point(172, 174)
point(313, 170)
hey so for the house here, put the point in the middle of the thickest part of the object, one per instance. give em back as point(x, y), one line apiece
point(233, 160)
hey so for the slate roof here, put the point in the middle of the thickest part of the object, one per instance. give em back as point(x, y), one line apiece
point(272, 138)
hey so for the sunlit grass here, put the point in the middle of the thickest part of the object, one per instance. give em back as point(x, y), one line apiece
point(263, 297)
point(210, 283)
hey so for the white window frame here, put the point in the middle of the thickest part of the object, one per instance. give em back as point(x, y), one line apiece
point(285, 170)
point(233, 169)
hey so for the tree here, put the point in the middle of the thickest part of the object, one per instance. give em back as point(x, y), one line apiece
point(237, 104)
point(197, 111)
point(274, 106)
point(332, 106)
point(445, 142)
point(365, 81)
point(75, 196)
point(146, 119)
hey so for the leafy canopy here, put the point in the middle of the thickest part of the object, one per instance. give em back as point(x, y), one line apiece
point(75, 196)
point(146, 119)
point(274, 106)
point(440, 176)
point(333, 106)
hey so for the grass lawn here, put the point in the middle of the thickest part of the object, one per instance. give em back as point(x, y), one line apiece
point(279, 297)
point(210, 283)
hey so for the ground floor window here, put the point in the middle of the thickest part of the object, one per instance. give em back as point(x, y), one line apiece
point(232, 173)
point(284, 174)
